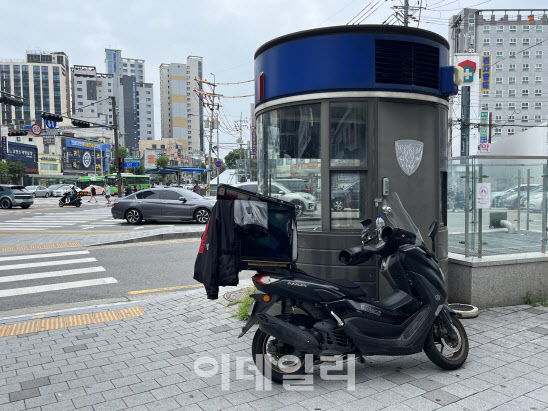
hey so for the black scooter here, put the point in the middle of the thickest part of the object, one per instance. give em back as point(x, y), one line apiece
point(70, 199)
point(299, 314)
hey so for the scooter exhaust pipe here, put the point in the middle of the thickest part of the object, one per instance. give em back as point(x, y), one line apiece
point(289, 333)
point(353, 256)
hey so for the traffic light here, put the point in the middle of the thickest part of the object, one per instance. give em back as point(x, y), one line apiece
point(52, 117)
point(17, 133)
point(12, 101)
point(81, 124)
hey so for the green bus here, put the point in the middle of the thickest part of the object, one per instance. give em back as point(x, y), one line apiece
point(86, 181)
point(131, 180)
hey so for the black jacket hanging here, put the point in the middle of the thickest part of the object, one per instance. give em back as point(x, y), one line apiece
point(218, 260)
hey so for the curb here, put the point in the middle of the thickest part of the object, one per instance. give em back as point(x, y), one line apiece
point(154, 237)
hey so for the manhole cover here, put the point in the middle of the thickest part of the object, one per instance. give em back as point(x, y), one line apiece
point(235, 295)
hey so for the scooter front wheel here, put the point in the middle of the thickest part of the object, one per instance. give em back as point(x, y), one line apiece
point(276, 359)
point(445, 352)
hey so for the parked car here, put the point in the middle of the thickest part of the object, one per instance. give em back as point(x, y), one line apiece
point(60, 189)
point(535, 202)
point(13, 195)
point(164, 204)
point(511, 200)
point(38, 191)
point(348, 197)
point(305, 202)
point(98, 190)
point(294, 184)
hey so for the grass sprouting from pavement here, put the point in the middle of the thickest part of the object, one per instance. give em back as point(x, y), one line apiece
point(244, 304)
point(536, 299)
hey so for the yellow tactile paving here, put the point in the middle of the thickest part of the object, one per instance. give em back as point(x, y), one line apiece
point(29, 247)
point(69, 321)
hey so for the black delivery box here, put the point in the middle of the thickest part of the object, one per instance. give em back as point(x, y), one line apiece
point(279, 244)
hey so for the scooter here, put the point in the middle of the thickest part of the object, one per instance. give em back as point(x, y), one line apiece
point(68, 199)
point(303, 319)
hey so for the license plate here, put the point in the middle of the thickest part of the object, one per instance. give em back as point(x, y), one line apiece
point(251, 308)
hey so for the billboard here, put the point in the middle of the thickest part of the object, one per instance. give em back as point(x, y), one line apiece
point(486, 72)
point(26, 153)
point(85, 156)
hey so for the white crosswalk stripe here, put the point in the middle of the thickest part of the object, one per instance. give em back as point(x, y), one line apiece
point(31, 275)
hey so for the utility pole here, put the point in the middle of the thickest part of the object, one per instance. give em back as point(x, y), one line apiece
point(116, 147)
point(406, 13)
point(211, 125)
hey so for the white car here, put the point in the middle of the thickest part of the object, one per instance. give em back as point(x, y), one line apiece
point(305, 202)
point(63, 188)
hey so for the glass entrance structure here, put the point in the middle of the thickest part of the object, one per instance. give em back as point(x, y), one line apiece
point(346, 115)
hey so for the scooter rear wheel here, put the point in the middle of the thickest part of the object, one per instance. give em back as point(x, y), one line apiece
point(442, 351)
point(61, 203)
point(276, 359)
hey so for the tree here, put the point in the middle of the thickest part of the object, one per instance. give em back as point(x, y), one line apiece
point(162, 161)
point(137, 170)
point(5, 175)
point(17, 170)
point(232, 157)
point(122, 152)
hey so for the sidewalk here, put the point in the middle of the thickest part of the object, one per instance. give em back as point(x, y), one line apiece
point(147, 363)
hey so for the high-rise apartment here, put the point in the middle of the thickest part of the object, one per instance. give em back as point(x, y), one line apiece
point(515, 42)
point(182, 112)
point(42, 79)
point(134, 97)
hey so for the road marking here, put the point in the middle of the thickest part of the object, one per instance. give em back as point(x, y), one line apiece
point(47, 263)
point(138, 228)
point(156, 290)
point(63, 232)
point(48, 255)
point(31, 247)
point(23, 229)
point(22, 225)
point(188, 240)
point(56, 287)
point(58, 273)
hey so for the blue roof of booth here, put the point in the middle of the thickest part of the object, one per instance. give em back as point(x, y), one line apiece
point(352, 58)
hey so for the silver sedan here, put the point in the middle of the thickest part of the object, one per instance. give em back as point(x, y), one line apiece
point(38, 191)
point(165, 204)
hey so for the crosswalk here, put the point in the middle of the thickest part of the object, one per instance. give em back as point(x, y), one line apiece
point(46, 221)
point(25, 274)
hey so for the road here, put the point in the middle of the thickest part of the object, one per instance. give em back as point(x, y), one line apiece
point(45, 216)
point(39, 281)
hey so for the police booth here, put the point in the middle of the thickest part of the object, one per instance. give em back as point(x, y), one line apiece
point(354, 112)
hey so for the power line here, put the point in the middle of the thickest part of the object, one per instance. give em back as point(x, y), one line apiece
point(357, 16)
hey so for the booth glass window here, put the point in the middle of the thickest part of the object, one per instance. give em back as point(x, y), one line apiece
point(289, 140)
point(347, 133)
point(348, 199)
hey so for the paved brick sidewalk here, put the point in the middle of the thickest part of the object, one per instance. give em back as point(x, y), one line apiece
point(147, 363)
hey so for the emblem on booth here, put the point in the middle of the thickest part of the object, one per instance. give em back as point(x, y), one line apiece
point(469, 69)
point(409, 155)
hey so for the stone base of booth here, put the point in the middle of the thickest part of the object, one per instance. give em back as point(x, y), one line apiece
point(497, 281)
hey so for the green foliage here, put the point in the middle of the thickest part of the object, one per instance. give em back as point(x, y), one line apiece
point(5, 175)
point(162, 161)
point(122, 152)
point(244, 304)
point(232, 157)
point(137, 170)
point(537, 299)
point(17, 170)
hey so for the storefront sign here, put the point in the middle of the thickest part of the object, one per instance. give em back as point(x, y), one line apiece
point(486, 72)
point(48, 139)
point(469, 68)
point(25, 153)
point(484, 126)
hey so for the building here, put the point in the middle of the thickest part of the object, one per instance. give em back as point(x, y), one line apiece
point(134, 98)
point(175, 149)
point(182, 112)
point(91, 101)
point(514, 40)
point(42, 79)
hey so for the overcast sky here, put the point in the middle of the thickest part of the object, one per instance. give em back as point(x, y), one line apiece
point(226, 33)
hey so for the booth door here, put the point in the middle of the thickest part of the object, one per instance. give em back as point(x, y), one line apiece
point(408, 155)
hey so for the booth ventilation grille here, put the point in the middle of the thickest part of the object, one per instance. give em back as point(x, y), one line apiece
point(405, 62)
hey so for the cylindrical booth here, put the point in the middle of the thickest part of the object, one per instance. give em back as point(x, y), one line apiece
point(345, 116)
